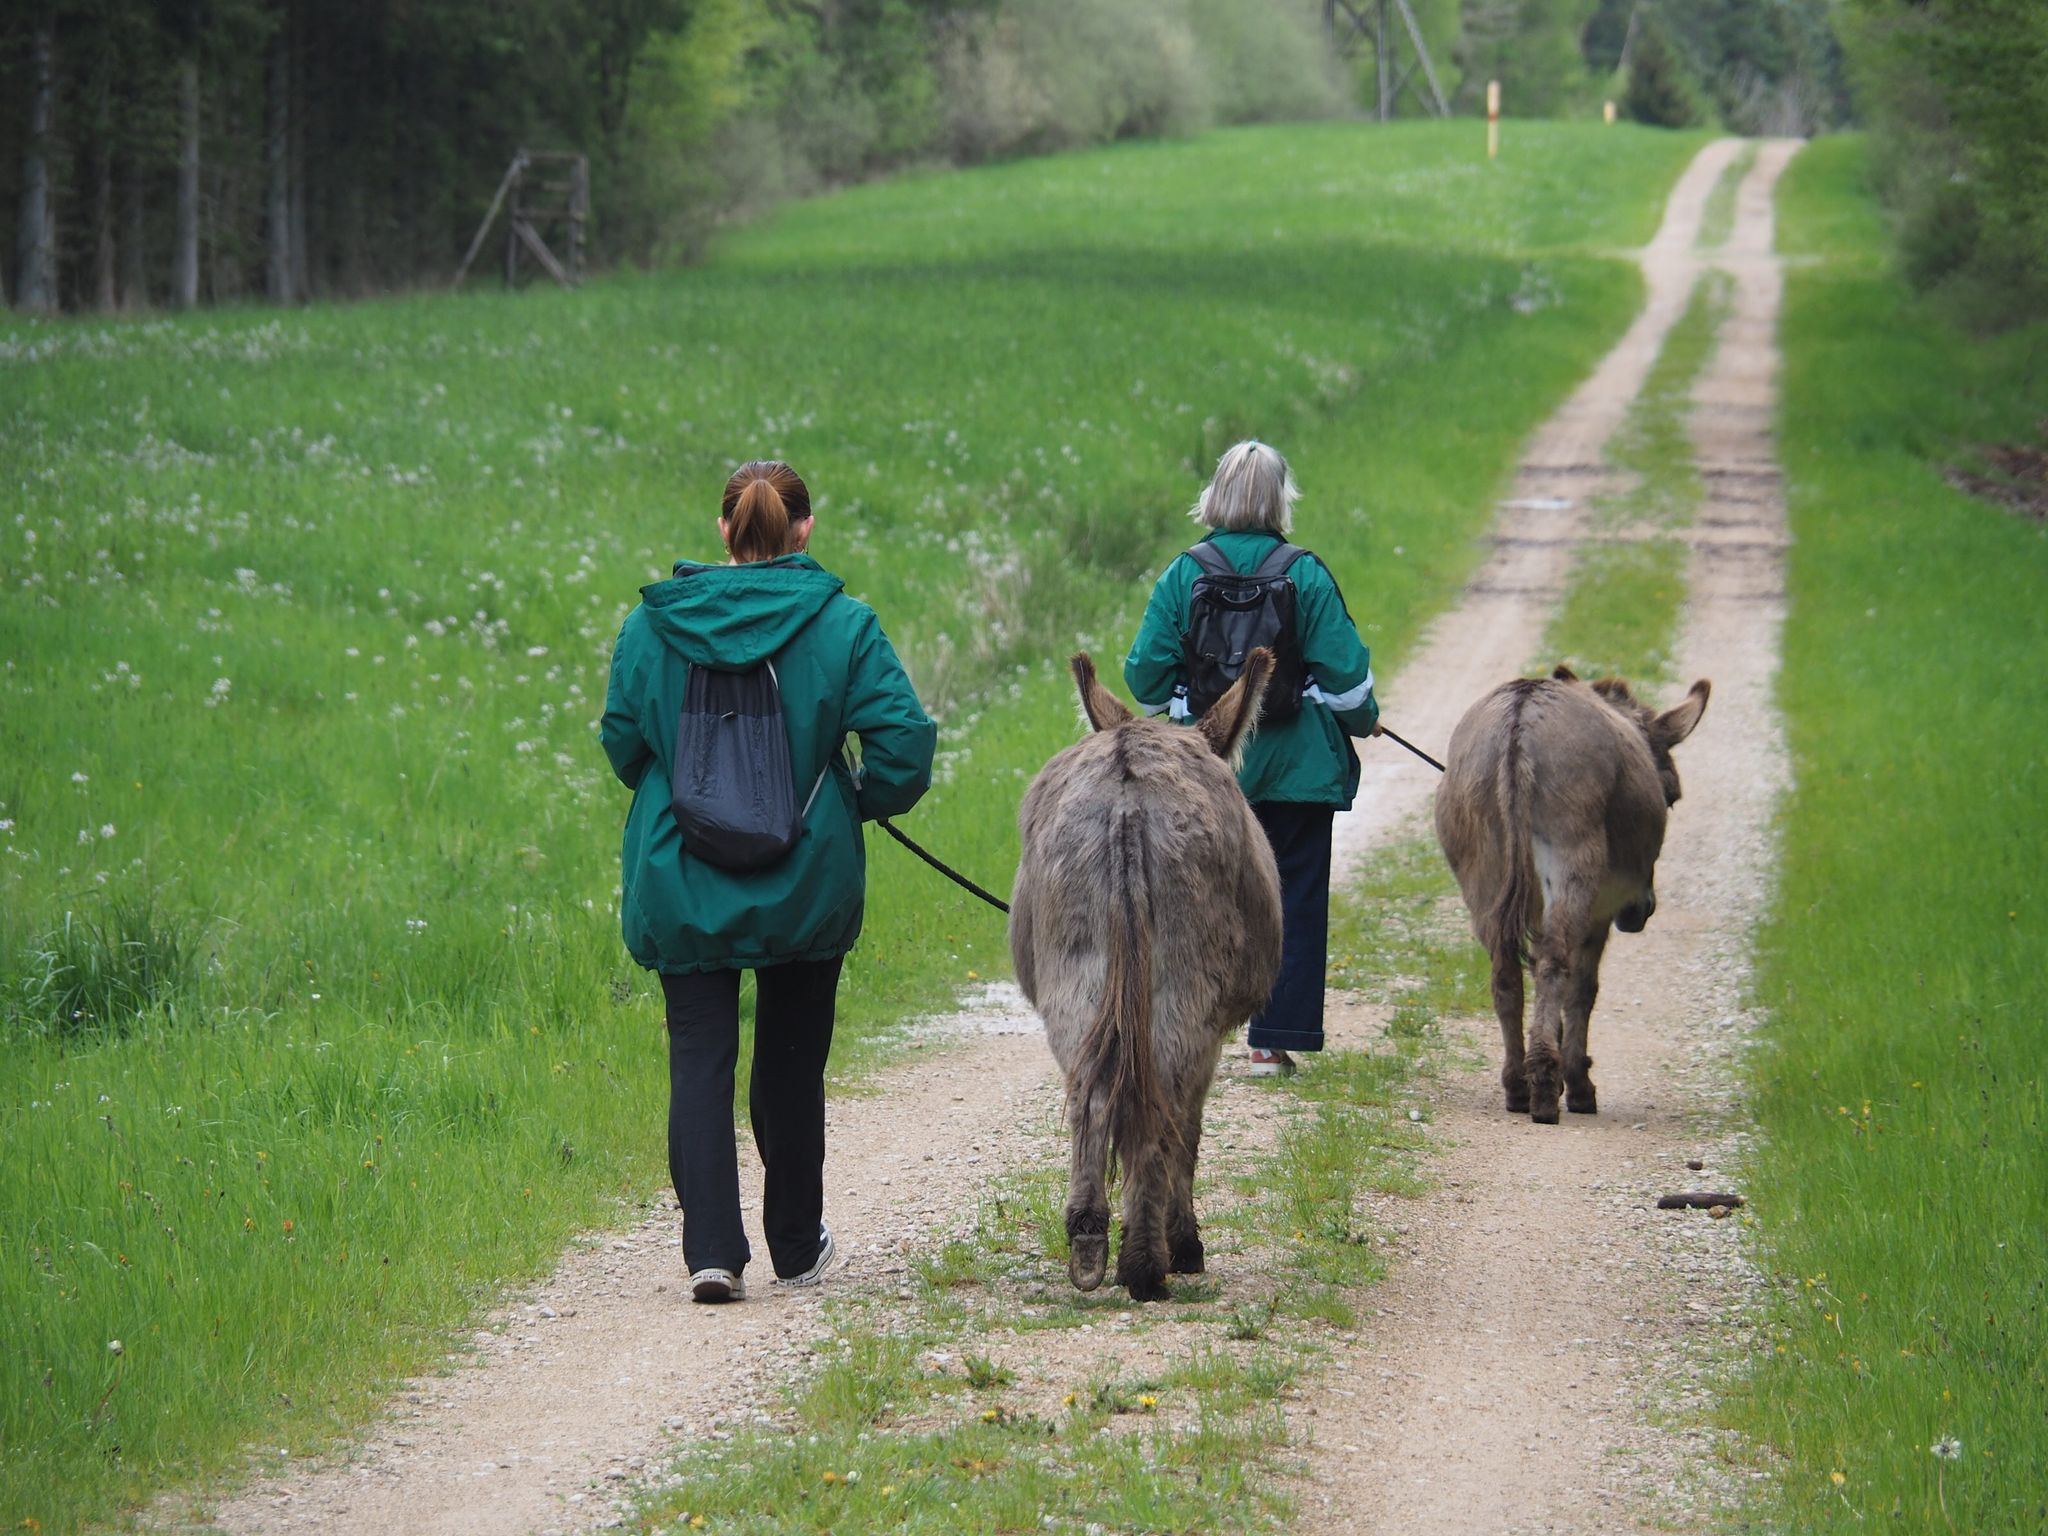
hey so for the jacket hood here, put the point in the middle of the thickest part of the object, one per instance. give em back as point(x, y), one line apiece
point(734, 616)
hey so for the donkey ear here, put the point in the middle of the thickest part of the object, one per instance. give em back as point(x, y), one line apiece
point(1675, 724)
point(1105, 712)
point(1564, 674)
point(1226, 723)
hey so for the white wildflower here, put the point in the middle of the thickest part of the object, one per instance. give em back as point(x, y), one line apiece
point(107, 829)
point(1948, 1448)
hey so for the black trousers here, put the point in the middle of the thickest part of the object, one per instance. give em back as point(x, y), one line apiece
point(793, 1014)
point(1292, 1019)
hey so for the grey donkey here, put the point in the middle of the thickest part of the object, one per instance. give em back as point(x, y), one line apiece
point(1145, 926)
point(1551, 812)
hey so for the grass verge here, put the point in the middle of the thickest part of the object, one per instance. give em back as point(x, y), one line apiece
point(1903, 1167)
point(1717, 219)
point(1621, 607)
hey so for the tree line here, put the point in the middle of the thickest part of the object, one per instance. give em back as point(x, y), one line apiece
point(187, 151)
point(179, 152)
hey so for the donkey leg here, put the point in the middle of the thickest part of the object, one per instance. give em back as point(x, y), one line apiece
point(1141, 1258)
point(1507, 1006)
point(1088, 1192)
point(1542, 1065)
point(1579, 1096)
point(1185, 1254)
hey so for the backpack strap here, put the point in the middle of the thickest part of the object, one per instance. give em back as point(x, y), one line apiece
point(1278, 560)
point(1212, 559)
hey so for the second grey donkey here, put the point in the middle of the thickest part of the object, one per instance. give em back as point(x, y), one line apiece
point(1551, 812)
point(1145, 926)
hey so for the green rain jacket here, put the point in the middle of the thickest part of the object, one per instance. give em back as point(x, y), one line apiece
point(837, 673)
point(1310, 759)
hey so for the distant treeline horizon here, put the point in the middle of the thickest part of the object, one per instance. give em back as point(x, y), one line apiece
point(186, 152)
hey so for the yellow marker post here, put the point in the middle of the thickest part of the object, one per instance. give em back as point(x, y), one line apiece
point(1607, 113)
point(1492, 119)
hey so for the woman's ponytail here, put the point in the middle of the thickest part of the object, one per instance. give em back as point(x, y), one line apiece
point(764, 501)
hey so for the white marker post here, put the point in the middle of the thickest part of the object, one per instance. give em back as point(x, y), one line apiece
point(1492, 119)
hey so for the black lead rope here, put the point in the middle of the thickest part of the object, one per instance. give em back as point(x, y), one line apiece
point(1002, 906)
point(950, 873)
point(1439, 767)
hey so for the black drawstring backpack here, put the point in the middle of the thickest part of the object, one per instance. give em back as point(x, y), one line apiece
point(733, 791)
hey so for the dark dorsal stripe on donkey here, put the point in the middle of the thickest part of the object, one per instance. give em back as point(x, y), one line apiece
point(1551, 812)
point(1145, 927)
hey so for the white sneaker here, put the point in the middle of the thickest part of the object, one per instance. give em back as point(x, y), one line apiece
point(717, 1285)
point(827, 1249)
point(1270, 1064)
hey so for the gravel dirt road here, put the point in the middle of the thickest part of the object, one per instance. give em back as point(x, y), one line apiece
point(1549, 1322)
point(1543, 1315)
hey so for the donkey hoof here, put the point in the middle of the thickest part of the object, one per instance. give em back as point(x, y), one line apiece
point(1088, 1261)
point(1144, 1282)
point(1188, 1257)
point(1587, 1103)
point(1544, 1114)
point(1518, 1103)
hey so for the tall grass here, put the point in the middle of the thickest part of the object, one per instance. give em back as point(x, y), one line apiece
point(306, 618)
point(1902, 1183)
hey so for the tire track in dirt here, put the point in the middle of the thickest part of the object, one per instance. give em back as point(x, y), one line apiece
point(1547, 1316)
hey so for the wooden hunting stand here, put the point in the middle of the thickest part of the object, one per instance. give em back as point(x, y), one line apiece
point(549, 191)
point(1346, 22)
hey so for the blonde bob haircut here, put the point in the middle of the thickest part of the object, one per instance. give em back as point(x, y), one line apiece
point(1252, 489)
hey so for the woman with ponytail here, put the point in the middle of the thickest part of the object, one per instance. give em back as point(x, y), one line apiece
point(698, 923)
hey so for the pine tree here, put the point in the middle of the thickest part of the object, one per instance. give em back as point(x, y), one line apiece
point(1657, 92)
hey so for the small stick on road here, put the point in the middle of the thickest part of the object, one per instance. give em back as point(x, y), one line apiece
point(1698, 1201)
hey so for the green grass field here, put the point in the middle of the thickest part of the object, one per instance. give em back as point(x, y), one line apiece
point(1902, 1180)
point(318, 1025)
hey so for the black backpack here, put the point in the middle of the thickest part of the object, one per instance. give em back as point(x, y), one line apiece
point(732, 788)
point(1229, 616)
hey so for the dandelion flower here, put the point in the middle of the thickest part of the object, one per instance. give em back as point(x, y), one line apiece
point(114, 1347)
point(1948, 1448)
point(107, 830)
point(1837, 1478)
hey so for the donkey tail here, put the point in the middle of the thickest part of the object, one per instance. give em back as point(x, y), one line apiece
point(1116, 1051)
point(1507, 924)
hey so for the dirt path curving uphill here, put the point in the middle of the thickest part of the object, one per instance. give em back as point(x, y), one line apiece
point(1541, 1306)
point(1547, 1312)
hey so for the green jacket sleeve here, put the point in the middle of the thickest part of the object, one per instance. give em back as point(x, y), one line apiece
point(1333, 653)
point(624, 742)
point(1154, 668)
point(897, 738)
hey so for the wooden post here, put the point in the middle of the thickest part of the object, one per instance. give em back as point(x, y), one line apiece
point(1492, 119)
point(1607, 113)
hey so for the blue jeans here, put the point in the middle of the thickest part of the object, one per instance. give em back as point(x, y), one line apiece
point(1292, 1019)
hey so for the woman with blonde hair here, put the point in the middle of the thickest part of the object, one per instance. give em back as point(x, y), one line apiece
point(1299, 768)
point(771, 614)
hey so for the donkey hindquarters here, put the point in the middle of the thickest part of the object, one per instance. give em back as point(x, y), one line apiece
point(1551, 813)
point(1145, 926)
